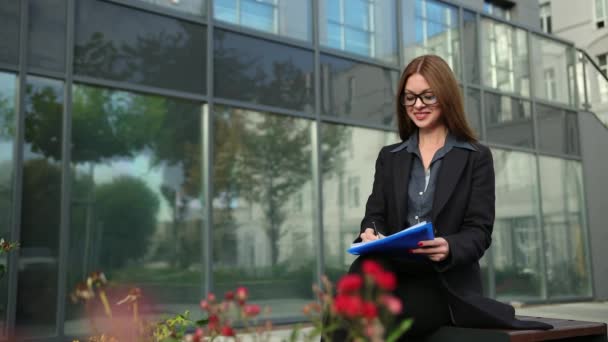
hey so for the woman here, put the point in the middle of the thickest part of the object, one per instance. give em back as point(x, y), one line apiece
point(439, 173)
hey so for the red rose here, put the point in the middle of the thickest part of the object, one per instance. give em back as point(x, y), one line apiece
point(227, 331)
point(386, 280)
point(349, 306)
point(204, 305)
point(211, 297)
point(349, 283)
point(392, 303)
point(214, 322)
point(372, 267)
point(251, 310)
point(369, 310)
point(229, 295)
point(241, 294)
point(198, 335)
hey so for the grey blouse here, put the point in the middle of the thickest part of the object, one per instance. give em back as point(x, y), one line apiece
point(421, 185)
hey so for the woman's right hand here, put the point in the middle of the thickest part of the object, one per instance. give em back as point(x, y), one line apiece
point(368, 235)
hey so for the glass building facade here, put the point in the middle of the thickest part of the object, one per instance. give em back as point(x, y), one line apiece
point(197, 145)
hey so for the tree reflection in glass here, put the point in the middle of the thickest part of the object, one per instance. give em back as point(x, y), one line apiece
point(40, 207)
point(263, 205)
point(7, 135)
point(136, 208)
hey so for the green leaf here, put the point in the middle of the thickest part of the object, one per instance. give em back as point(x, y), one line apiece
point(403, 327)
point(295, 333)
point(202, 322)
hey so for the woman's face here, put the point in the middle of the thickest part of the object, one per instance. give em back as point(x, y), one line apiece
point(421, 104)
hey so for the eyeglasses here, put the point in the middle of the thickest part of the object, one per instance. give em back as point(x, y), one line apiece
point(409, 99)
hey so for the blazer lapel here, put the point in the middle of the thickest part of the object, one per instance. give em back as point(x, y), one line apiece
point(401, 174)
point(451, 168)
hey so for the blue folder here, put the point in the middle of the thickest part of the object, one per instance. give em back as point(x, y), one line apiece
point(400, 241)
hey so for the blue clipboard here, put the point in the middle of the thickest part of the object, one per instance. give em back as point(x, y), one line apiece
point(400, 241)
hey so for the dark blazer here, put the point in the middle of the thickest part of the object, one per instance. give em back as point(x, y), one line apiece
point(462, 213)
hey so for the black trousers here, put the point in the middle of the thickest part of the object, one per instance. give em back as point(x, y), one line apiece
point(420, 292)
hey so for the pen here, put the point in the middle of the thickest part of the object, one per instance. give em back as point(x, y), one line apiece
point(375, 229)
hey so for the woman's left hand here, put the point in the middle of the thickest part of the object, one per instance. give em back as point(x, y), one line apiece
point(437, 249)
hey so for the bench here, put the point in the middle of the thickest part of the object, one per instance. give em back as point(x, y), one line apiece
point(564, 330)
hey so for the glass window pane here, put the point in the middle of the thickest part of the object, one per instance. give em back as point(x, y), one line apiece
point(572, 134)
point(505, 57)
point(565, 228)
point(552, 61)
point(551, 129)
point(197, 7)
point(471, 54)
point(258, 15)
point(363, 27)
point(516, 243)
point(136, 209)
point(9, 31)
point(139, 47)
point(508, 121)
point(225, 10)
point(431, 27)
point(263, 208)
point(259, 71)
point(7, 140)
point(473, 102)
point(348, 155)
point(357, 91)
point(47, 34)
point(40, 208)
point(284, 18)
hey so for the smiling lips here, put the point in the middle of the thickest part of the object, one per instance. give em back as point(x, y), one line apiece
point(421, 115)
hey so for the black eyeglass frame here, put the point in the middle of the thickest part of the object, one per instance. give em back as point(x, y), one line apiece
point(418, 96)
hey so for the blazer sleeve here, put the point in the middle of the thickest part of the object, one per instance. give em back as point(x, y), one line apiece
point(375, 209)
point(475, 235)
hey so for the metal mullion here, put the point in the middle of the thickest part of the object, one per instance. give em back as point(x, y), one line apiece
point(257, 34)
point(206, 242)
point(356, 123)
point(557, 105)
point(498, 92)
point(358, 58)
point(17, 196)
point(263, 108)
point(400, 46)
point(463, 77)
point(316, 142)
point(511, 147)
point(142, 89)
point(543, 258)
point(45, 73)
point(160, 10)
point(65, 217)
point(9, 67)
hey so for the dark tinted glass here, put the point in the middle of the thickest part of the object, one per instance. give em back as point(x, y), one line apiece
point(40, 208)
point(551, 129)
point(47, 20)
point(473, 102)
point(572, 134)
point(255, 70)
point(557, 130)
point(508, 121)
point(124, 44)
point(262, 208)
point(9, 31)
point(7, 139)
point(136, 208)
point(469, 39)
point(357, 91)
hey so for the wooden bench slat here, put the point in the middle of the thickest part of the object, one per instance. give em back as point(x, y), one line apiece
point(564, 330)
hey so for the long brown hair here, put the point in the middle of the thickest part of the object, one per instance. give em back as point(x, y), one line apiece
point(440, 77)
